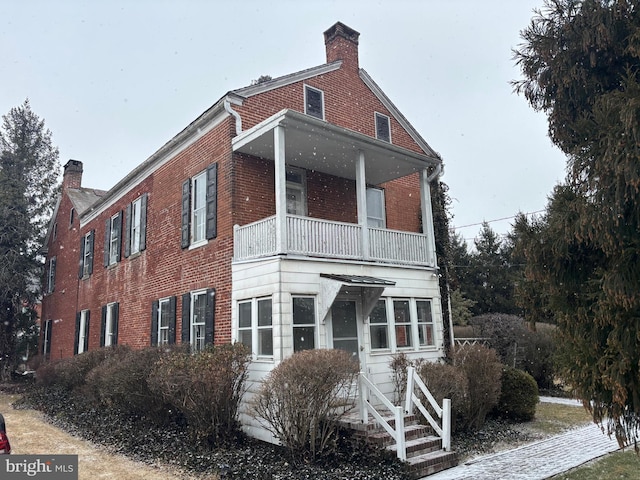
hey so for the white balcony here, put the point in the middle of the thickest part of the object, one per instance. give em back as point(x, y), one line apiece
point(321, 238)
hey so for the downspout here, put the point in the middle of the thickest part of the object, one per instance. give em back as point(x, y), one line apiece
point(236, 115)
point(435, 174)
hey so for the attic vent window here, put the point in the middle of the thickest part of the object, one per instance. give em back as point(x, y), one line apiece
point(314, 102)
point(383, 128)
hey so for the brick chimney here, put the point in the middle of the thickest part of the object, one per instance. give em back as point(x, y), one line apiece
point(341, 43)
point(72, 177)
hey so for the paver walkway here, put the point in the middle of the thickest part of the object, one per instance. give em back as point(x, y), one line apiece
point(537, 460)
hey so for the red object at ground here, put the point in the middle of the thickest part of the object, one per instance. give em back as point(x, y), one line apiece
point(5, 446)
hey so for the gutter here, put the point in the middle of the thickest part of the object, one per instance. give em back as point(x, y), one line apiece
point(236, 115)
point(436, 173)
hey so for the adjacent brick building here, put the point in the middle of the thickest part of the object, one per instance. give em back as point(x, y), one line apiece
point(292, 214)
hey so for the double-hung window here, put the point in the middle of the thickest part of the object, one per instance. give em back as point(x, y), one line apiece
point(46, 339)
point(82, 332)
point(402, 317)
point(296, 192)
point(198, 309)
point(314, 102)
point(255, 325)
point(199, 207)
point(135, 238)
point(425, 323)
point(109, 325)
point(383, 127)
point(375, 208)
point(379, 326)
point(113, 232)
point(86, 254)
point(163, 322)
point(51, 275)
point(304, 323)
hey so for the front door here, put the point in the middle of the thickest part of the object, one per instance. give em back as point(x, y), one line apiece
point(345, 327)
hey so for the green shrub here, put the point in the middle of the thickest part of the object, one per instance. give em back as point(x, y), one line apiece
point(483, 370)
point(539, 357)
point(301, 397)
point(446, 381)
point(206, 388)
point(519, 395)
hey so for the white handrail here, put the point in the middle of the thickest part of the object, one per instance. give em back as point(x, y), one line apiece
point(443, 413)
point(366, 387)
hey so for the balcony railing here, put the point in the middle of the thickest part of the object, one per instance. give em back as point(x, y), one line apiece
point(321, 238)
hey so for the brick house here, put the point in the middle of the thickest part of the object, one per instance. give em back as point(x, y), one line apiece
point(292, 214)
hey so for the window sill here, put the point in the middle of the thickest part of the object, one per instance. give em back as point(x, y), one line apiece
point(199, 244)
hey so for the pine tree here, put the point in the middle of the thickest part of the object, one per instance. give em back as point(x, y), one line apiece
point(580, 61)
point(28, 189)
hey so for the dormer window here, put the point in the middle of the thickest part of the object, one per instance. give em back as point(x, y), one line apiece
point(314, 102)
point(383, 128)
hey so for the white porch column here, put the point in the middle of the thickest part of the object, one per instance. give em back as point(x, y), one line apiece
point(281, 189)
point(361, 196)
point(427, 215)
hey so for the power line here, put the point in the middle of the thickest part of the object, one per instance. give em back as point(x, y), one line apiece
point(496, 220)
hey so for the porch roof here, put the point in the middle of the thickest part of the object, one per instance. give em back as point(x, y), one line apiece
point(359, 280)
point(315, 144)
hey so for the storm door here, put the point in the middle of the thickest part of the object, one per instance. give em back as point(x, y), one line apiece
point(345, 327)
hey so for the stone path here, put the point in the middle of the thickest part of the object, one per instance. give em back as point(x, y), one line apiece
point(537, 460)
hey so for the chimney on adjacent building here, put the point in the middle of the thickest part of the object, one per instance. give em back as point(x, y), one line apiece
point(72, 177)
point(341, 43)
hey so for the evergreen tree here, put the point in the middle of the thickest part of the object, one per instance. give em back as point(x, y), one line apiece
point(28, 189)
point(580, 61)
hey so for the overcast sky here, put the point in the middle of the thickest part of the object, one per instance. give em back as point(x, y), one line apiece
point(115, 80)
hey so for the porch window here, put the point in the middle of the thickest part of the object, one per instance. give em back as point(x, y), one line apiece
point(375, 208)
point(425, 323)
point(383, 128)
point(378, 326)
point(296, 192)
point(304, 323)
point(314, 102)
point(402, 316)
point(255, 325)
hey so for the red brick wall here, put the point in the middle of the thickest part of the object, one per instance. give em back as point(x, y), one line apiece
point(245, 194)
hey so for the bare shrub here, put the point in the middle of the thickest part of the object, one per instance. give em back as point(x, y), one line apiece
point(303, 396)
point(121, 382)
point(446, 381)
point(399, 364)
point(483, 370)
point(206, 388)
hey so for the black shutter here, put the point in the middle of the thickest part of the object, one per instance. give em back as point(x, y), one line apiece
point(116, 317)
point(107, 241)
point(86, 331)
point(81, 263)
point(92, 235)
point(212, 201)
point(154, 322)
point(186, 317)
point(127, 231)
point(77, 337)
point(186, 213)
point(172, 320)
point(103, 324)
point(143, 222)
point(209, 318)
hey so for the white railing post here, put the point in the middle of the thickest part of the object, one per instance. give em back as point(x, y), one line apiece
point(363, 398)
point(446, 424)
point(408, 404)
point(400, 440)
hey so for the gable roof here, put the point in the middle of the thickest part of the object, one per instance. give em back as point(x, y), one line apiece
point(83, 198)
